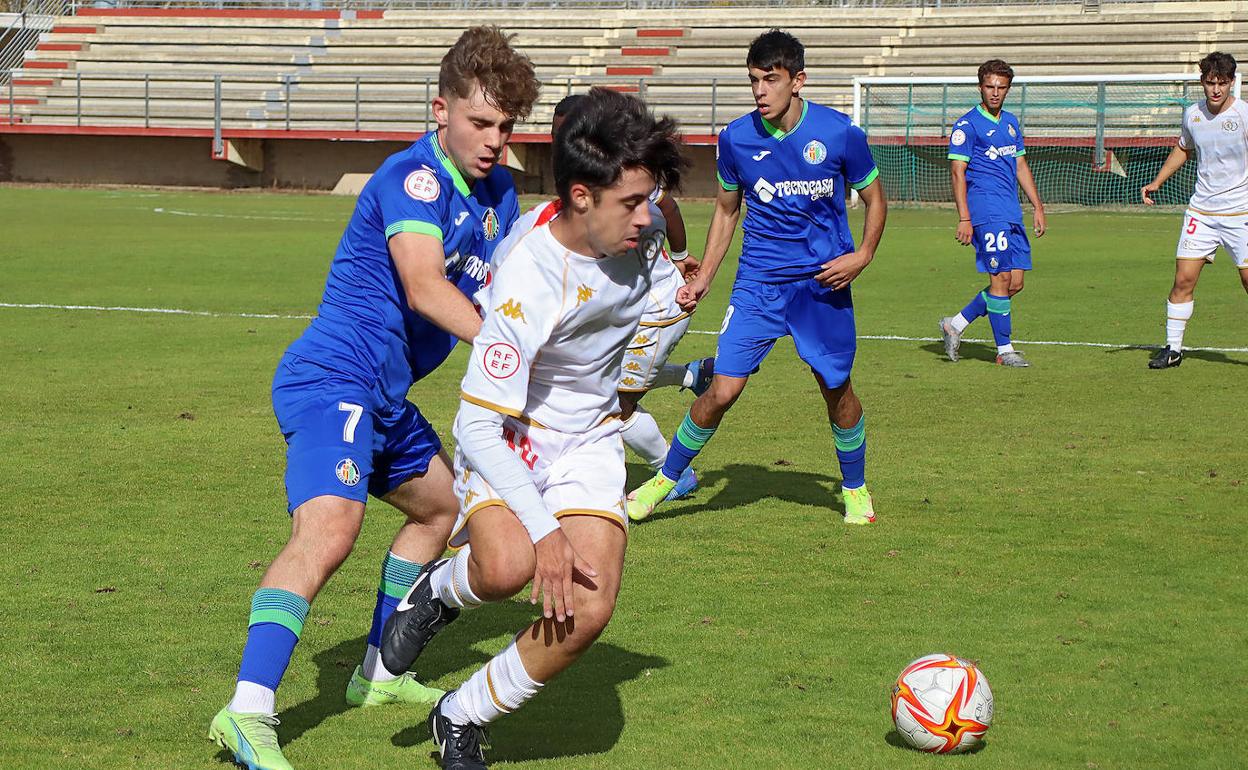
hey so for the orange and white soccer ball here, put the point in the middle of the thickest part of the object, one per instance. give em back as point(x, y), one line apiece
point(942, 704)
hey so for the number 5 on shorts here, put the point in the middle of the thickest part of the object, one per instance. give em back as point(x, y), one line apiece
point(353, 419)
point(1191, 226)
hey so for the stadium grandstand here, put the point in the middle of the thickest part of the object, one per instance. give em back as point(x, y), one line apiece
point(297, 94)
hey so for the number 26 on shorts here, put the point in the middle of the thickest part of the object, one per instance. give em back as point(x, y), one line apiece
point(994, 242)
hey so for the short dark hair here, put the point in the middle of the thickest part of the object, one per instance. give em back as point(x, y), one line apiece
point(995, 67)
point(484, 55)
point(1217, 65)
point(775, 49)
point(609, 132)
point(567, 104)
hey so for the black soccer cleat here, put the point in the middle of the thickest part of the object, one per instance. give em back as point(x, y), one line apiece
point(414, 622)
point(1165, 358)
point(461, 746)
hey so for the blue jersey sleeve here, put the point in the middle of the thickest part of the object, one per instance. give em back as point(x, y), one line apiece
point(414, 201)
point(1018, 141)
point(960, 141)
point(726, 164)
point(859, 167)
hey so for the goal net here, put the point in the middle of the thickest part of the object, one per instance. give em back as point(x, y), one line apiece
point(1091, 141)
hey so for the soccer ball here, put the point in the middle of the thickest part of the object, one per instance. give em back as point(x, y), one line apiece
point(942, 704)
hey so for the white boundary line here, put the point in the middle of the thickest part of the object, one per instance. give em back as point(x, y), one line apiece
point(298, 317)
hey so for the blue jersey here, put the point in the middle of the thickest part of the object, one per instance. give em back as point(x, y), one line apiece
point(364, 329)
point(794, 188)
point(991, 148)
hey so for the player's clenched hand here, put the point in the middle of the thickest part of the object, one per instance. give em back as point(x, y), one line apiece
point(841, 271)
point(1038, 222)
point(687, 296)
point(965, 232)
point(1146, 192)
point(556, 560)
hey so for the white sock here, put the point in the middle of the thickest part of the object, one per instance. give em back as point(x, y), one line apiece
point(450, 583)
point(959, 323)
point(642, 435)
point(1006, 348)
point(373, 669)
point(252, 698)
point(1177, 316)
point(499, 687)
point(672, 374)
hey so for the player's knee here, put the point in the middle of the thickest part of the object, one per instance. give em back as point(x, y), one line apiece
point(502, 575)
point(593, 612)
point(723, 393)
point(1243, 278)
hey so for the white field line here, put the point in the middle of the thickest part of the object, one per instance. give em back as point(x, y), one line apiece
point(180, 213)
point(299, 317)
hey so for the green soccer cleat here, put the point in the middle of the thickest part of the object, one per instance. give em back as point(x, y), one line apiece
point(643, 500)
point(858, 508)
point(405, 689)
point(250, 738)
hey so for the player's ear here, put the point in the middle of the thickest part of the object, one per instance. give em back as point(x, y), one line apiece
point(580, 197)
point(799, 80)
point(441, 110)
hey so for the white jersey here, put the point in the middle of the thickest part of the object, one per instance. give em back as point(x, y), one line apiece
point(556, 327)
point(1221, 144)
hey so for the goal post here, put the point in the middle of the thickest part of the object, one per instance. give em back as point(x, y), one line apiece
point(1091, 140)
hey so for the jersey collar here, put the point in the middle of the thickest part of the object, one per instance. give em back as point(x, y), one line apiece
point(456, 177)
point(986, 113)
point(779, 134)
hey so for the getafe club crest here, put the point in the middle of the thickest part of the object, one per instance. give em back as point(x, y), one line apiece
point(348, 472)
point(815, 153)
point(489, 224)
point(1013, 133)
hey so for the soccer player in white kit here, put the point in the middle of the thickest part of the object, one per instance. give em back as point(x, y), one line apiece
point(1217, 214)
point(539, 463)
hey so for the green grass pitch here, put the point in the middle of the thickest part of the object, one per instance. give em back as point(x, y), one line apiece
point(1077, 527)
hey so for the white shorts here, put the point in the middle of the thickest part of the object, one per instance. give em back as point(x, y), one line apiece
point(577, 474)
point(649, 350)
point(1203, 233)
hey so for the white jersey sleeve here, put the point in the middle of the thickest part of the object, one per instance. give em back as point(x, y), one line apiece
point(1185, 134)
point(523, 305)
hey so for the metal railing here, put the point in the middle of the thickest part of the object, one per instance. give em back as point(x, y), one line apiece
point(22, 34)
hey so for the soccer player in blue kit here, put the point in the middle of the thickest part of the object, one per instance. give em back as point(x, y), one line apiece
point(790, 160)
point(396, 301)
point(988, 166)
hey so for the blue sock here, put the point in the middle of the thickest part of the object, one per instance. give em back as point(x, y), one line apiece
point(688, 441)
point(999, 317)
point(273, 631)
point(397, 576)
point(851, 453)
point(977, 307)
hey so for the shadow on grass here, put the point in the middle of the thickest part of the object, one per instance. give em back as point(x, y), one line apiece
point(744, 484)
point(578, 713)
point(894, 739)
point(972, 351)
point(1211, 356)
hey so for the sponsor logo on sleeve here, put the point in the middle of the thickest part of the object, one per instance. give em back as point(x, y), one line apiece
point(422, 185)
point(501, 360)
point(958, 138)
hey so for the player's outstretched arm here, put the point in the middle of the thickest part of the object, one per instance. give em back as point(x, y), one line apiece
point(718, 238)
point(957, 175)
point(840, 272)
point(1028, 183)
point(1174, 161)
point(421, 265)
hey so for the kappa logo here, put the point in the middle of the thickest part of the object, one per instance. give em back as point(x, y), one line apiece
point(583, 294)
point(629, 382)
point(347, 472)
point(633, 366)
point(511, 309)
point(501, 360)
point(469, 496)
point(422, 185)
point(761, 155)
point(640, 340)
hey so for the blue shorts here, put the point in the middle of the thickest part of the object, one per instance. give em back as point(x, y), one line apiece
point(820, 321)
point(342, 438)
point(991, 256)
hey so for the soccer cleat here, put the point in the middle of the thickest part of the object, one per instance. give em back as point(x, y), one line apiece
point(414, 622)
point(1013, 358)
point(405, 689)
point(858, 507)
point(1165, 358)
point(703, 371)
point(461, 746)
point(250, 738)
point(686, 485)
point(643, 500)
point(951, 338)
